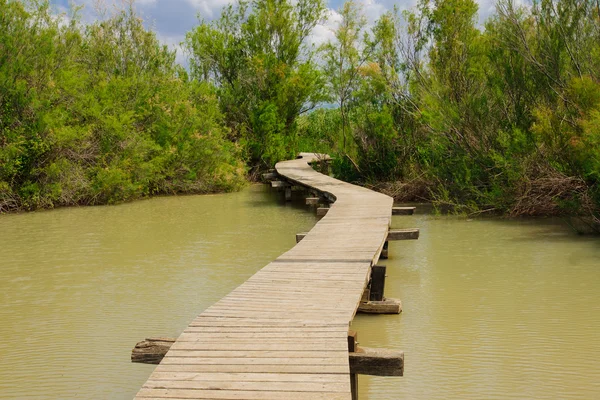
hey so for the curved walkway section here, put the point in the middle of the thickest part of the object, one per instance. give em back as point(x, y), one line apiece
point(283, 334)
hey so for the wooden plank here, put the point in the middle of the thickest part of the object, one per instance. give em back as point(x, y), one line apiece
point(313, 362)
point(322, 211)
point(269, 176)
point(403, 210)
point(331, 387)
point(248, 377)
point(403, 234)
point(289, 369)
point(262, 329)
point(279, 184)
point(296, 334)
point(312, 201)
point(380, 362)
point(324, 346)
point(387, 306)
point(289, 354)
point(147, 393)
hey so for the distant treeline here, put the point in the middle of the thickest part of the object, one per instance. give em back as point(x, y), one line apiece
point(426, 104)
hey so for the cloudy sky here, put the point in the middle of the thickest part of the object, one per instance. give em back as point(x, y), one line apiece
point(171, 19)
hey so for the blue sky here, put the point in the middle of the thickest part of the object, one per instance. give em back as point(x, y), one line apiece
point(171, 19)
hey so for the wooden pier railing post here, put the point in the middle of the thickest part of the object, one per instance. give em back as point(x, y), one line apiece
point(352, 347)
point(377, 283)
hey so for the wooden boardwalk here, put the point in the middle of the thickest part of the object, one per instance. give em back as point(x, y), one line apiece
point(283, 334)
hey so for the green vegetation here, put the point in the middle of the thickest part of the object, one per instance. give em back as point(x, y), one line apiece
point(257, 56)
point(426, 104)
point(101, 113)
point(503, 118)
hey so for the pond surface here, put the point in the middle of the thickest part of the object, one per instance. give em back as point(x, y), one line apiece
point(492, 308)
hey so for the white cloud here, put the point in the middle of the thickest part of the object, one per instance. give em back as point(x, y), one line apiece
point(324, 32)
point(209, 8)
point(372, 10)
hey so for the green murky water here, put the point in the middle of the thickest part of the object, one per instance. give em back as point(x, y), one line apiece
point(492, 308)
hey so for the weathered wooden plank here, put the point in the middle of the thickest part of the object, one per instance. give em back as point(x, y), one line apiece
point(269, 176)
point(322, 211)
point(262, 329)
point(280, 184)
point(248, 377)
point(199, 337)
point(222, 320)
point(255, 354)
point(290, 334)
point(403, 210)
point(381, 362)
point(333, 345)
point(403, 234)
point(147, 393)
point(287, 369)
point(331, 387)
point(367, 361)
point(387, 306)
point(254, 361)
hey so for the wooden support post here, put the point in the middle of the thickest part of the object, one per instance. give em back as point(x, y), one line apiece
point(288, 193)
point(373, 300)
point(364, 361)
point(377, 283)
point(313, 201)
point(387, 306)
point(403, 210)
point(322, 211)
point(385, 251)
point(279, 184)
point(378, 362)
point(151, 350)
point(300, 236)
point(352, 347)
point(403, 234)
point(269, 176)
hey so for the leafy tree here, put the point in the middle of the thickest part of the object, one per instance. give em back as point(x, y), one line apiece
point(258, 56)
point(343, 59)
point(101, 113)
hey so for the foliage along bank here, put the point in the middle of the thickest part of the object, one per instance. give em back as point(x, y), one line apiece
point(501, 117)
point(102, 113)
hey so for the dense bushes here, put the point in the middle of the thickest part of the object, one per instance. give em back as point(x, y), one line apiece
point(101, 113)
point(503, 117)
point(258, 56)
